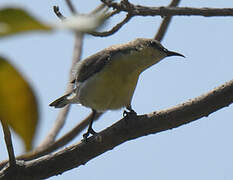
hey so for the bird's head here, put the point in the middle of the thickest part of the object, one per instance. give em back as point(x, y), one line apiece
point(154, 47)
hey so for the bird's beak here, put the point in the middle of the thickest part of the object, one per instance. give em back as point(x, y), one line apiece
point(171, 53)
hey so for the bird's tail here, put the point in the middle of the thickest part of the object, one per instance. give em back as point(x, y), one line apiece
point(62, 101)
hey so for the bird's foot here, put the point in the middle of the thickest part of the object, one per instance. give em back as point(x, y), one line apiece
point(129, 114)
point(89, 131)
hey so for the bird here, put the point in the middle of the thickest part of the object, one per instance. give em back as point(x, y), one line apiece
point(107, 79)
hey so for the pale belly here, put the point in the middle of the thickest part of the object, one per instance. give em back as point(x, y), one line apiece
point(108, 90)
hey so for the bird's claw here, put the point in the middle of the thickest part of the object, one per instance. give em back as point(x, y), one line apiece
point(130, 113)
point(89, 131)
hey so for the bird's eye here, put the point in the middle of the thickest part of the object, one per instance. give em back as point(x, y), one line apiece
point(157, 45)
point(153, 43)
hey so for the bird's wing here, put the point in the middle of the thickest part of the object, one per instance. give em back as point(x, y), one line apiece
point(91, 65)
point(97, 62)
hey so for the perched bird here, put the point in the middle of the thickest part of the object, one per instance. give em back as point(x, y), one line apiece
point(107, 79)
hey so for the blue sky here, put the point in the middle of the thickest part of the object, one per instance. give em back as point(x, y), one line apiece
point(199, 150)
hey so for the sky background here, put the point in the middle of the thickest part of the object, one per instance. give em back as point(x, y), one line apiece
point(198, 150)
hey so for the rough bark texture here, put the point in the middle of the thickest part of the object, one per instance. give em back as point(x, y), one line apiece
point(120, 132)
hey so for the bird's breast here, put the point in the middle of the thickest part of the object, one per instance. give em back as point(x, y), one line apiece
point(111, 88)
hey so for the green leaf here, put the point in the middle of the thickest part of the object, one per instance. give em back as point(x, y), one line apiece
point(18, 105)
point(16, 20)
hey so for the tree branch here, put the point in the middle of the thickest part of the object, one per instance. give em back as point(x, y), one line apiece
point(58, 13)
point(71, 6)
point(122, 131)
point(60, 121)
point(8, 141)
point(114, 29)
point(95, 33)
point(137, 10)
point(38, 152)
point(165, 23)
point(64, 112)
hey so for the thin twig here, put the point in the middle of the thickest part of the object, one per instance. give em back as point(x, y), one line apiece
point(94, 33)
point(165, 23)
point(60, 121)
point(120, 132)
point(98, 9)
point(9, 145)
point(58, 13)
point(114, 29)
point(108, 15)
point(62, 17)
point(71, 6)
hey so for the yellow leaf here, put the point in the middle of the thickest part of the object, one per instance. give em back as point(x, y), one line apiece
point(16, 20)
point(18, 105)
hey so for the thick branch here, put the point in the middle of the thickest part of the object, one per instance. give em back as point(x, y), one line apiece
point(123, 131)
point(168, 11)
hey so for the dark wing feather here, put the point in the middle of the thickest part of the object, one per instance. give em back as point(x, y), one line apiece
point(97, 62)
point(92, 65)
